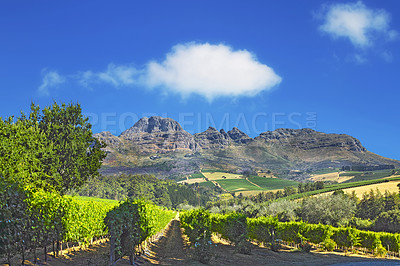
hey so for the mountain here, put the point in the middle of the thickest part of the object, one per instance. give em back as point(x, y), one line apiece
point(212, 139)
point(157, 135)
point(160, 146)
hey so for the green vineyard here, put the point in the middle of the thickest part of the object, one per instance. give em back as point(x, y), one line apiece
point(32, 220)
point(239, 230)
point(132, 223)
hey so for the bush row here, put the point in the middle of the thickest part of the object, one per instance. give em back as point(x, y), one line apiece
point(132, 223)
point(37, 219)
point(197, 225)
point(263, 229)
point(238, 230)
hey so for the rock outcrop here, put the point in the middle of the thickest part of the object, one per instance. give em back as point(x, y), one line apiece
point(212, 139)
point(308, 139)
point(112, 142)
point(238, 136)
point(158, 135)
point(154, 124)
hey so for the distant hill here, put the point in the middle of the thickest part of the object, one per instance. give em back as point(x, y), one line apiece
point(160, 146)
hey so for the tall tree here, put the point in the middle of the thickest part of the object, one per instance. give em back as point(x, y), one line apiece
point(21, 147)
point(53, 149)
point(75, 154)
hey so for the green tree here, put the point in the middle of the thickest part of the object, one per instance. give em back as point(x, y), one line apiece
point(371, 205)
point(285, 210)
point(53, 149)
point(319, 185)
point(332, 210)
point(287, 191)
point(75, 154)
point(21, 151)
point(391, 201)
point(388, 222)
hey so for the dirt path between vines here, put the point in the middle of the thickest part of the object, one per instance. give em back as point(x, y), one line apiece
point(170, 249)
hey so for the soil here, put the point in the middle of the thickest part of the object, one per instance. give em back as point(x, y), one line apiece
point(172, 249)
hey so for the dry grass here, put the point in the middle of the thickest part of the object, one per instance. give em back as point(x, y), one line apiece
point(382, 187)
point(218, 175)
point(391, 176)
point(192, 181)
point(331, 177)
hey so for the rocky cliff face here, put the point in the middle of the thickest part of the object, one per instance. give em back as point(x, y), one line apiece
point(162, 141)
point(238, 136)
point(154, 124)
point(113, 142)
point(308, 139)
point(158, 135)
point(163, 135)
point(212, 139)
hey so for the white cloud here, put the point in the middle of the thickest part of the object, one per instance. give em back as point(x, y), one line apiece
point(361, 25)
point(115, 75)
point(51, 79)
point(204, 69)
point(211, 71)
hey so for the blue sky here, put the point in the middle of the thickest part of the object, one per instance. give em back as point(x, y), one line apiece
point(259, 65)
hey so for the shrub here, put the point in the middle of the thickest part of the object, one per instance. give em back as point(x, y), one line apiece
point(345, 236)
point(290, 231)
point(317, 233)
point(380, 251)
point(262, 229)
point(234, 228)
point(329, 244)
point(391, 241)
point(197, 225)
point(369, 239)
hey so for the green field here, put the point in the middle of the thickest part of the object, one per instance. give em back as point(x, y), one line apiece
point(235, 182)
point(350, 173)
point(207, 184)
point(196, 175)
point(272, 183)
point(234, 185)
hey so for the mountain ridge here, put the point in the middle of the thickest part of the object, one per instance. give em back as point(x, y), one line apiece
point(162, 147)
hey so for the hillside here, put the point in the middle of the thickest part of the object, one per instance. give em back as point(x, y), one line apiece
point(162, 147)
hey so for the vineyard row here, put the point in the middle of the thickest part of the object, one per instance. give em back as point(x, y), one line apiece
point(31, 220)
point(238, 229)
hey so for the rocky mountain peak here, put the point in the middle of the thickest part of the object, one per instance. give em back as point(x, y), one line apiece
point(222, 131)
point(212, 138)
point(211, 129)
point(152, 125)
point(158, 135)
point(238, 136)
